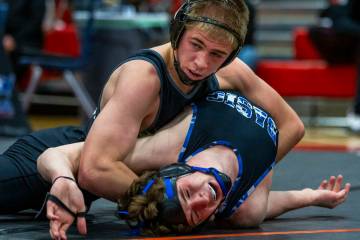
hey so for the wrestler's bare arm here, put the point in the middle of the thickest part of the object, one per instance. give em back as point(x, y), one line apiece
point(240, 77)
point(156, 151)
point(329, 194)
point(162, 148)
point(60, 161)
point(115, 130)
point(265, 204)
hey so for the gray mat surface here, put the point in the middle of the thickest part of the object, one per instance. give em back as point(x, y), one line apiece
point(296, 171)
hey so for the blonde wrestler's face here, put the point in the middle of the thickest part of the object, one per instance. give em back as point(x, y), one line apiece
point(199, 195)
point(199, 55)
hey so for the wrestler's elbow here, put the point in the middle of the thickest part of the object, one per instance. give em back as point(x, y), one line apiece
point(86, 179)
point(293, 127)
point(88, 176)
point(299, 129)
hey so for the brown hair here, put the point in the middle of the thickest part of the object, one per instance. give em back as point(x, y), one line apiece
point(143, 208)
point(233, 13)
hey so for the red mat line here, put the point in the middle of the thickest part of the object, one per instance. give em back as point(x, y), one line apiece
point(325, 147)
point(249, 234)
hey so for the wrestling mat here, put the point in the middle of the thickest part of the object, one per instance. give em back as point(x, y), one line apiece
point(298, 170)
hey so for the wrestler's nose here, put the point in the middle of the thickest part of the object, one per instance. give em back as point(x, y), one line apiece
point(201, 61)
point(200, 201)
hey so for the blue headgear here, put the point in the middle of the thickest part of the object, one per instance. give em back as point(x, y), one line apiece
point(170, 206)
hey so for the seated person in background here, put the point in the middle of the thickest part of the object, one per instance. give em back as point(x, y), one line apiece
point(58, 14)
point(338, 40)
point(7, 78)
point(248, 53)
point(224, 149)
point(23, 30)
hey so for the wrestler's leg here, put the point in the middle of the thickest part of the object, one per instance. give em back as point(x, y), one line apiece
point(21, 187)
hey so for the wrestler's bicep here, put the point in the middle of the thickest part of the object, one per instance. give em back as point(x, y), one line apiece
point(116, 128)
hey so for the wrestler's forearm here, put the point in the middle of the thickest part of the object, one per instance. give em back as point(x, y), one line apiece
point(53, 163)
point(330, 193)
point(112, 180)
point(280, 202)
point(102, 170)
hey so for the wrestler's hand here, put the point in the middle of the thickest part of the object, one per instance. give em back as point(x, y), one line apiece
point(60, 219)
point(330, 193)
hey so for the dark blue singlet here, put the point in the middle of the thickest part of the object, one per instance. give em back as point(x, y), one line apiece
point(245, 128)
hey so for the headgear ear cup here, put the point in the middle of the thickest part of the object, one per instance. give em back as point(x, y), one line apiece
point(177, 24)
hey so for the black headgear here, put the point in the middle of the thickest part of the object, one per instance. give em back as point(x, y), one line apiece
point(170, 207)
point(181, 17)
point(170, 210)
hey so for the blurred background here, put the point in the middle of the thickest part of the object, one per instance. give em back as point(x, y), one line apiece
point(57, 54)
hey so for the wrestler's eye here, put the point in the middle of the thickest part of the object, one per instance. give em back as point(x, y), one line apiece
point(187, 194)
point(213, 192)
point(196, 45)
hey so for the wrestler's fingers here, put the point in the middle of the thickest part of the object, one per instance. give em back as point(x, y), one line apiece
point(347, 188)
point(338, 183)
point(63, 229)
point(54, 229)
point(342, 197)
point(81, 225)
point(331, 184)
point(51, 234)
point(51, 209)
point(323, 185)
point(343, 194)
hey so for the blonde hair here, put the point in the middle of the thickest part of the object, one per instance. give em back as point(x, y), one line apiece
point(143, 208)
point(232, 13)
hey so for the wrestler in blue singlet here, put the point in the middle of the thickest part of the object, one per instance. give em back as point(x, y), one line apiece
point(245, 128)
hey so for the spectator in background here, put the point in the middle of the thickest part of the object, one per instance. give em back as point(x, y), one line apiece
point(248, 53)
point(337, 39)
point(58, 14)
point(23, 30)
point(6, 76)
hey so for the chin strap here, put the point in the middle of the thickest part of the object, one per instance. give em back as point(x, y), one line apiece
point(183, 78)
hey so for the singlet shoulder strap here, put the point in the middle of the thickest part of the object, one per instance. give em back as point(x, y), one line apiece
point(151, 56)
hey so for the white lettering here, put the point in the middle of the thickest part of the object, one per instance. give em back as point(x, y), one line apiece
point(260, 116)
point(245, 108)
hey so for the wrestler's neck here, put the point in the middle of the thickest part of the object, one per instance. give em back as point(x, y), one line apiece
point(173, 73)
point(220, 157)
